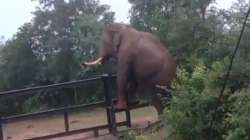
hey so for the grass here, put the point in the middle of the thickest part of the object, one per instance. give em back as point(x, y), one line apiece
point(159, 135)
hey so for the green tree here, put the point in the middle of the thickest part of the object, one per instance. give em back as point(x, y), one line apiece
point(202, 39)
point(188, 28)
point(50, 49)
point(56, 39)
point(18, 68)
point(19, 64)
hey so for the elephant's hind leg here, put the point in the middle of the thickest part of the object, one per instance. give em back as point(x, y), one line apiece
point(157, 103)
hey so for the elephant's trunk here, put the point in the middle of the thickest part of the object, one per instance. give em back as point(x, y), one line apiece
point(93, 63)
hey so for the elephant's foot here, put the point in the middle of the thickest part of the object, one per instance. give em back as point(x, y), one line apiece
point(121, 105)
point(133, 102)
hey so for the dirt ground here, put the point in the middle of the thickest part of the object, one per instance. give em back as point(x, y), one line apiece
point(53, 124)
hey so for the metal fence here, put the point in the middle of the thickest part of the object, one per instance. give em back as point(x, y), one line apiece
point(107, 103)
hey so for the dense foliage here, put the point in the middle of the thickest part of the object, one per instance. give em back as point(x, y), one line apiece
point(193, 103)
point(49, 50)
point(202, 37)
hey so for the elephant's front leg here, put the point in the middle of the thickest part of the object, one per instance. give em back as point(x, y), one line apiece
point(131, 92)
point(122, 83)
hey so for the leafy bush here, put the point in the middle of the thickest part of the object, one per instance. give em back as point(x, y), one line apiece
point(195, 95)
point(33, 104)
point(189, 115)
point(238, 119)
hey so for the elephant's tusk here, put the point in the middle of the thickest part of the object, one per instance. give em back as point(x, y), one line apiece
point(96, 62)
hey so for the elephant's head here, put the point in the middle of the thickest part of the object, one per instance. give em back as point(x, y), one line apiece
point(110, 43)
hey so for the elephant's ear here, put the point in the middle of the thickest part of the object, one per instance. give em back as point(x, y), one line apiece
point(116, 30)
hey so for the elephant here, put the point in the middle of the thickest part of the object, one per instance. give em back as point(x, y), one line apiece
point(143, 62)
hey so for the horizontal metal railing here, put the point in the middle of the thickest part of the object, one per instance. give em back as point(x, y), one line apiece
point(33, 90)
point(108, 103)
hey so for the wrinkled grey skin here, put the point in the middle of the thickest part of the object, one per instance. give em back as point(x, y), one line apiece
point(143, 62)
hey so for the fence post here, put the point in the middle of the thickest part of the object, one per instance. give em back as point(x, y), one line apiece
point(1, 128)
point(75, 96)
point(109, 119)
point(109, 103)
point(128, 117)
point(66, 121)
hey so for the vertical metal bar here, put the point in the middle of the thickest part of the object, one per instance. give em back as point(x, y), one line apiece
point(108, 98)
point(109, 119)
point(66, 121)
point(96, 133)
point(112, 120)
point(128, 117)
point(75, 95)
point(1, 129)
